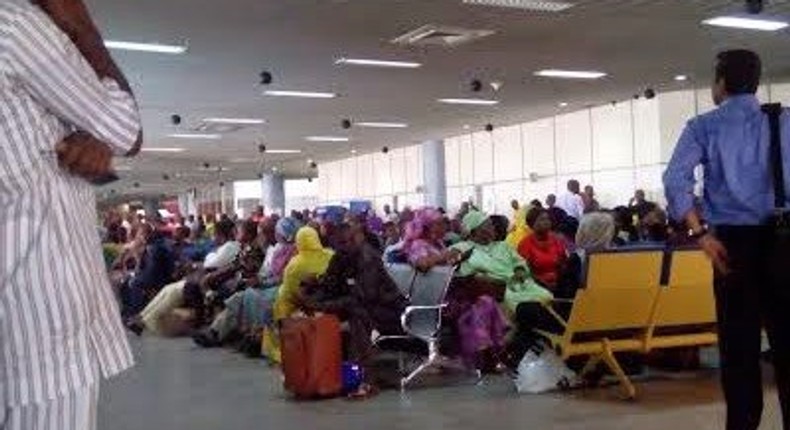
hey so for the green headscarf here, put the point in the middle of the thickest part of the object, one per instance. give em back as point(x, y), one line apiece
point(473, 220)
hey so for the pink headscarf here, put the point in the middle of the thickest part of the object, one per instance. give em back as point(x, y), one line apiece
point(415, 235)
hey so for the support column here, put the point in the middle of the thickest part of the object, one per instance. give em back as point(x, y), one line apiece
point(433, 174)
point(273, 193)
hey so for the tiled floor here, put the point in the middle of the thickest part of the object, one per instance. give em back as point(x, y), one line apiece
point(176, 386)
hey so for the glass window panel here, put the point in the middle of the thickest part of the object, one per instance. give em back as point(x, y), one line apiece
point(647, 132)
point(398, 160)
point(366, 178)
point(508, 157)
point(539, 147)
point(484, 157)
point(383, 174)
point(452, 162)
point(413, 159)
point(649, 179)
point(614, 187)
point(612, 136)
point(540, 189)
point(675, 109)
point(467, 160)
point(349, 175)
point(574, 143)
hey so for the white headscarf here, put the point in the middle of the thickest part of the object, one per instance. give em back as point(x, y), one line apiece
point(596, 231)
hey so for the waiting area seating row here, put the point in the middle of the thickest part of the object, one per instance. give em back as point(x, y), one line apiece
point(637, 302)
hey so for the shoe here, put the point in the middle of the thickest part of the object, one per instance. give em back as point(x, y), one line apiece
point(207, 339)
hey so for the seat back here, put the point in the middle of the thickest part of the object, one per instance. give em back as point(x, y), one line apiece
point(403, 276)
point(688, 297)
point(430, 288)
point(620, 292)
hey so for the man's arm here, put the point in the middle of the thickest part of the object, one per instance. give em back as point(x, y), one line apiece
point(57, 74)
point(679, 184)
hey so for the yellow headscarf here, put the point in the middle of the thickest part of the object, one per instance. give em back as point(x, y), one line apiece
point(311, 260)
point(520, 228)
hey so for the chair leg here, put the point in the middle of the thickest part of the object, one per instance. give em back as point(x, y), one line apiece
point(591, 364)
point(433, 358)
point(629, 391)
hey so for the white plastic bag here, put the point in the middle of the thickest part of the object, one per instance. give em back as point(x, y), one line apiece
point(541, 372)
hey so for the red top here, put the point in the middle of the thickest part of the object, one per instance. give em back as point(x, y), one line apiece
point(544, 257)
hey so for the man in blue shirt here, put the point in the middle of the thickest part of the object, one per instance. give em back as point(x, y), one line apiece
point(752, 285)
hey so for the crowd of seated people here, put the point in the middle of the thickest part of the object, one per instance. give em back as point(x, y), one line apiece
point(229, 282)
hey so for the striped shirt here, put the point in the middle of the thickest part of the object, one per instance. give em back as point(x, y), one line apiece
point(59, 323)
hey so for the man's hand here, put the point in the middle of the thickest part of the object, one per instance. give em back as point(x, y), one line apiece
point(716, 252)
point(82, 155)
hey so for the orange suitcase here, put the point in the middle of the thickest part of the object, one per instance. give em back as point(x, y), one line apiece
point(312, 356)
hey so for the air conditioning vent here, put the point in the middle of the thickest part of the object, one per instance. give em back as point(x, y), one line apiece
point(434, 35)
point(534, 5)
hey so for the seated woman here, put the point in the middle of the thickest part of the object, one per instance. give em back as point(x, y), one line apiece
point(424, 240)
point(543, 250)
point(488, 267)
point(154, 270)
point(596, 232)
point(520, 229)
point(248, 311)
point(310, 262)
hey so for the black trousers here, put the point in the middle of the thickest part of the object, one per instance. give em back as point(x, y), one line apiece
point(754, 295)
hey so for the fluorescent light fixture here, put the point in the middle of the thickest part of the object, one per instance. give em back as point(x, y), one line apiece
point(382, 124)
point(173, 150)
point(283, 151)
point(570, 74)
point(327, 139)
point(563, 104)
point(535, 5)
point(681, 78)
point(746, 23)
point(145, 47)
point(196, 136)
point(353, 151)
point(302, 94)
point(378, 63)
point(235, 121)
point(479, 102)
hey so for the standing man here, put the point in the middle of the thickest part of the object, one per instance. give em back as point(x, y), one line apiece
point(571, 201)
point(640, 206)
point(733, 144)
point(590, 202)
point(65, 109)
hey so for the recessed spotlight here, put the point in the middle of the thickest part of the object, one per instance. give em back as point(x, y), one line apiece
point(275, 169)
point(746, 23)
point(145, 47)
point(382, 124)
point(378, 63)
point(467, 127)
point(569, 74)
point(327, 139)
point(310, 161)
point(477, 102)
point(563, 104)
point(353, 151)
point(196, 136)
point(235, 121)
point(149, 149)
point(681, 78)
point(300, 94)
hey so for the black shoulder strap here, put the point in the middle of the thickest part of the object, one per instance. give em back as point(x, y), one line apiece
point(774, 110)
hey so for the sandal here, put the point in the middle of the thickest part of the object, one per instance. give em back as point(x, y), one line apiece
point(364, 392)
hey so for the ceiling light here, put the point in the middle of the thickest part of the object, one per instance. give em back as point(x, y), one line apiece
point(570, 74)
point(480, 102)
point(145, 149)
point(563, 104)
point(746, 23)
point(302, 94)
point(467, 127)
point(382, 124)
point(283, 151)
point(327, 139)
point(196, 136)
point(353, 151)
point(145, 47)
point(237, 121)
point(542, 6)
point(681, 78)
point(378, 63)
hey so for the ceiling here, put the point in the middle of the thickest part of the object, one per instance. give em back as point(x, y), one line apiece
point(640, 43)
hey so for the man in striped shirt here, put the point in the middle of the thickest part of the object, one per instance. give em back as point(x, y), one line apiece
point(65, 109)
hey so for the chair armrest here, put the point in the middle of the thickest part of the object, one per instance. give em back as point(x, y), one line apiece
point(404, 318)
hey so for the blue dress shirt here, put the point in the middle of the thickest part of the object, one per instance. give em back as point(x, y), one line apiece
point(732, 144)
